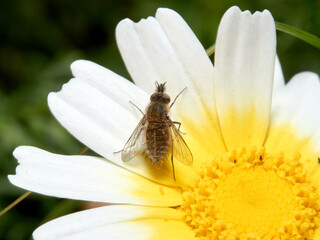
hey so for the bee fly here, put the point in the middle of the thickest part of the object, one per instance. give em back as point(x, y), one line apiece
point(156, 135)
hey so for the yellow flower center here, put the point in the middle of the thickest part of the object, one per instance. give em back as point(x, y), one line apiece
point(252, 195)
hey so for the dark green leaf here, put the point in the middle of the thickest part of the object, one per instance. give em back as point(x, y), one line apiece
point(298, 33)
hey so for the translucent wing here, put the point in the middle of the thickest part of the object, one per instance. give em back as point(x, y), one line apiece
point(180, 149)
point(135, 143)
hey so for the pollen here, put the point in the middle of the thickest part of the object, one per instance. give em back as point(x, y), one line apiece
point(251, 194)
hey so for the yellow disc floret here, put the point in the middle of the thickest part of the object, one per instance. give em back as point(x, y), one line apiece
point(252, 195)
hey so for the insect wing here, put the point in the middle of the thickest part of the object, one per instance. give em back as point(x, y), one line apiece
point(135, 143)
point(180, 149)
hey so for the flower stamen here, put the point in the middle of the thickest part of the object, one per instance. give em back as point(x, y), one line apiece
point(252, 195)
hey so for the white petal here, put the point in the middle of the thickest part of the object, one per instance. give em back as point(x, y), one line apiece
point(278, 83)
point(164, 49)
point(244, 71)
point(157, 229)
point(190, 52)
point(299, 105)
point(84, 223)
point(295, 121)
point(95, 108)
point(87, 178)
point(152, 47)
point(110, 84)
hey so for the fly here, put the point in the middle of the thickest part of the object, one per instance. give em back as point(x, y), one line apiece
point(156, 135)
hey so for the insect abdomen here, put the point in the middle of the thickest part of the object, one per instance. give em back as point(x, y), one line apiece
point(157, 141)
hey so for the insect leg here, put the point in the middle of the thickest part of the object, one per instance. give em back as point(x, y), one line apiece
point(179, 125)
point(174, 176)
point(137, 107)
point(177, 97)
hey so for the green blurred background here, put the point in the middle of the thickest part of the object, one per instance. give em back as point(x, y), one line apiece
point(39, 40)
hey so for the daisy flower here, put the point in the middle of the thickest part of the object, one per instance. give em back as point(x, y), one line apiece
point(255, 141)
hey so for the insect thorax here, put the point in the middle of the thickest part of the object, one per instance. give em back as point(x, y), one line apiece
point(157, 112)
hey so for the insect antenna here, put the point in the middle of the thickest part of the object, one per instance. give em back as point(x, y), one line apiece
point(160, 87)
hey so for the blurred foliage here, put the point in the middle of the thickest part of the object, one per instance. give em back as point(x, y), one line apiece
point(38, 41)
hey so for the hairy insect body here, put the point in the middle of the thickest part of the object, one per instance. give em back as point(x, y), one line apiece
point(158, 135)
point(157, 112)
point(158, 143)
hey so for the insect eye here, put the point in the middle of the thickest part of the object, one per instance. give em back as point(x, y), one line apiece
point(166, 98)
point(153, 97)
